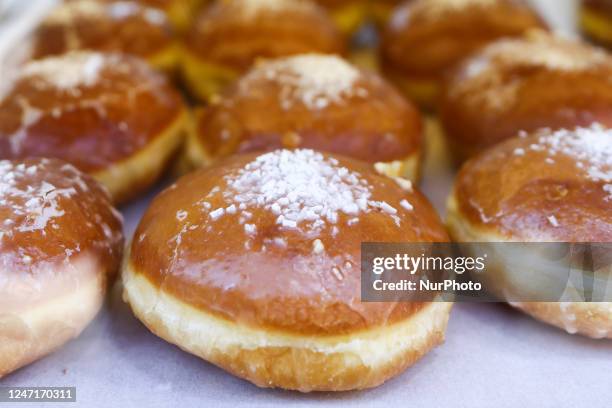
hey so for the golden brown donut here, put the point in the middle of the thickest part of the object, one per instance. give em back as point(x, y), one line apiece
point(117, 26)
point(348, 15)
point(550, 186)
point(525, 84)
point(110, 115)
point(425, 38)
point(60, 244)
point(596, 21)
point(231, 35)
point(315, 101)
point(253, 265)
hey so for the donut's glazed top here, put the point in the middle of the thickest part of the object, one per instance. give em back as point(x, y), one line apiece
point(274, 240)
point(92, 110)
point(235, 33)
point(548, 186)
point(119, 26)
point(525, 84)
point(50, 215)
point(425, 38)
point(313, 101)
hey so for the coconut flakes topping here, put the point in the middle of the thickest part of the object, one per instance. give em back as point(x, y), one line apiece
point(313, 80)
point(302, 189)
point(590, 147)
point(68, 71)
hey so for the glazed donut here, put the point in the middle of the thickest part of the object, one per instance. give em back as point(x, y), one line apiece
point(110, 115)
point(314, 101)
point(550, 186)
point(596, 21)
point(348, 15)
point(60, 245)
point(119, 26)
point(525, 84)
point(253, 265)
point(425, 38)
point(231, 35)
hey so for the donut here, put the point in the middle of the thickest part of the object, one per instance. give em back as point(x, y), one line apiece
point(180, 13)
point(425, 38)
point(60, 245)
point(253, 265)
point(524, 84)
point(231, 35)
point(548, 186)
point(348, 15)
point(313, 101)
point(596, 21)
point(110, 115)
point(119, 26)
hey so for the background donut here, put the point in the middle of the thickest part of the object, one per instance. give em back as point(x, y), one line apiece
point(60, 244)
point(87, 108)
point(181, 13)
point(253, 265)
point(425, 38)
point(545, 187)
point(596, 21)
point(525, 84)
point(117, 26)
point(313, 101)
point(231, 35)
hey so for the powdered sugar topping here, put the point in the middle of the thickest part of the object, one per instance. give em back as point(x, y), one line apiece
point(69, 12)
point(303, 189)
point(539, 49)
point(313, 80)
point(437, 8)
point(482, 78)
point(36, 204)
point(590, 147)
point(68, 71)
point(253, 8)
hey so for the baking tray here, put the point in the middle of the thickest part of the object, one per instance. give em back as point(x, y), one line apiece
point(493, 355)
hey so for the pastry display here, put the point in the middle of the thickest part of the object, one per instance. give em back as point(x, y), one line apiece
point(254, 265)
point(314, 101)
point(425, 38)
point(110, 115)
point(525, 84)
point(60, 245)
point(230, 36)
point(549, 186)
point(119, 26)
